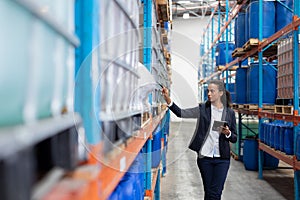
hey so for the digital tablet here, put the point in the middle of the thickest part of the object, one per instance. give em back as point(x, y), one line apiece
point(219, 124)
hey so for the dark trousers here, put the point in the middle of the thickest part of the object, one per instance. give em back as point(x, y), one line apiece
point(213, 172)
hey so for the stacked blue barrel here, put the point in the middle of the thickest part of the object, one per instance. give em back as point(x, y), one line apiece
point(221, 53)
point(269, 86)
point(278, 135)
point(132, 184)
point(276, 15)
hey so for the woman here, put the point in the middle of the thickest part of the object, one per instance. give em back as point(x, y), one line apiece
point(211, 146)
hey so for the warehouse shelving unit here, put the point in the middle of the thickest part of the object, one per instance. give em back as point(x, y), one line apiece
point(210, 38)
point(260, 51)
point(56, 139)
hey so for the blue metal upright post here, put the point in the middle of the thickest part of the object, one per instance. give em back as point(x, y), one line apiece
point(87, 29)
point(240, 135)
point(227, 50)
point(260, 83)
point(157, 186)
point(296, 96)
point(219, 18)
point(147, 62)
point(212, 40)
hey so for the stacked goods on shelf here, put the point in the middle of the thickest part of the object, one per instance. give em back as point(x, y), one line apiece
point(37, 78)
point(278, 135)
point(132, 184)
point(250, 149)
point(285, 76)
point(161, 63)
point(239, 30)
point(156, 147)
point(282, 10)
point(119, 64)
point(268, 19)
point(269, 86)
point(298, 145)
point(39, 83)
point(241, 85)
point(250, 157)
point(231, 89)
point(221, 53)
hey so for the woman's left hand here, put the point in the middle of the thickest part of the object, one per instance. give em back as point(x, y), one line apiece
point(225, 130)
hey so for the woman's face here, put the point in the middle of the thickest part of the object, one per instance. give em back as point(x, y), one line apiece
point(214, 94)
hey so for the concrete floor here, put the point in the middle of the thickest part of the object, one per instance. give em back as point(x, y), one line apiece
point(183, 180)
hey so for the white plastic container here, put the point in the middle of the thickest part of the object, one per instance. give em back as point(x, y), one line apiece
point(14, 61)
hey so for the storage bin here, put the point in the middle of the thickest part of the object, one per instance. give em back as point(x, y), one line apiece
point(39, 83)
point(277, 136)
point(241, 85)
point(221, 53)
point(298, 146)
point(272, 135)
point(270, 162)
point(250, 157)
point(240, 38)
point(231, 87)
point(281, 137)
point(268, 19)
point(269, 84)
point(289, 140)
point(14, 62)
point(156, 147)
point(267, 133)
point(262, 132)
point(283, 15)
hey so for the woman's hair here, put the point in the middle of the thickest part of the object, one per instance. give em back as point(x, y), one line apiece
point(225, 98)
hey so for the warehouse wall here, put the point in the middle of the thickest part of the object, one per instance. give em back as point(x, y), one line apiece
point(186, 37)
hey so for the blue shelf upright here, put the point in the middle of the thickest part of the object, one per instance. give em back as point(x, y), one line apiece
point(148, 5)
point(87, 29)
point(296, 95)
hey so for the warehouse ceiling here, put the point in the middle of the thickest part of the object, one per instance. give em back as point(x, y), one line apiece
point(196, 8)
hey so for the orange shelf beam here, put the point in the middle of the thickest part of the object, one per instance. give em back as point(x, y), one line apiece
point(110, 177)
point(266, 114)
point(289, 159)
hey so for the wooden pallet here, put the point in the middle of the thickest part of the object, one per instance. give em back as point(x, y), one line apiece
point(252, 43)
point(163, 11)
point(269, 107)
point(234, 106)
point(241, 106)
point(284, 109)
point(238, 52)
point(221, 67)
point(250, 106)
point(255, 107)
point(237, 106)
point(160, 2)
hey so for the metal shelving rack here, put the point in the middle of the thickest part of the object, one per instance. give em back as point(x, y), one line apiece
point(210, 39)
point(259, 51)
point(94, 178)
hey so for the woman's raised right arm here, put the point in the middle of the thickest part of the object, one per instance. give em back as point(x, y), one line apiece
point(183, 113)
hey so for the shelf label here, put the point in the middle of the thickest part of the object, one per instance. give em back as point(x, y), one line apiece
point(283, 117)
point(145, 135)
point(122, 164)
